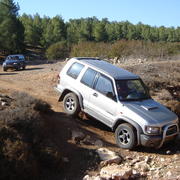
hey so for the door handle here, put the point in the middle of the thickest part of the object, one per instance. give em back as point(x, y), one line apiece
point(95, 94)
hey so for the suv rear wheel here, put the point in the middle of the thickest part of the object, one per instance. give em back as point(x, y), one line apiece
point(125, 136)
point(71, 104)
point(4, 69)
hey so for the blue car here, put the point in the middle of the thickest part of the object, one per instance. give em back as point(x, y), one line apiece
point(16, 61)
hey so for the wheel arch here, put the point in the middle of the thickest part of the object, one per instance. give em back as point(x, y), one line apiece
point(132, 123)
point(66, 91)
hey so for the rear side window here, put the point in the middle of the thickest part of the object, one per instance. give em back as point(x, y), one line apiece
point(88, 77)
point(75, 70)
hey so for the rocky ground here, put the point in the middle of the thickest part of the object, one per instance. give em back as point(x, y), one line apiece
point(86, 137)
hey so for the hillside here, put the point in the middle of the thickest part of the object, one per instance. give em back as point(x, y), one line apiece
point(59, 147)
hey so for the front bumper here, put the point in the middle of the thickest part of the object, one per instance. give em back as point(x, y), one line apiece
point(159, 140)
point(11, 66)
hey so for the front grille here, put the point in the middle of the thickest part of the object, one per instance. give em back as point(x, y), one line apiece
point(171, 130)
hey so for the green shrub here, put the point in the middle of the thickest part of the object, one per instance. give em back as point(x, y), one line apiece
point(58, 50)
point(126, 48)
point(121, 49)
point(90, 49)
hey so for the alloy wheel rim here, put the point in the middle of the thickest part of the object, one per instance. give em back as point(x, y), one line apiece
point(124, 137)
point(70, 104)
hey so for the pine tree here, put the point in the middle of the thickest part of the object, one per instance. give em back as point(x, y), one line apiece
point(100, 33)
point(54, 31)
point(11, 29)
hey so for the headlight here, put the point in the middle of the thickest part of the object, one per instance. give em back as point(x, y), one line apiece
point(152, 130)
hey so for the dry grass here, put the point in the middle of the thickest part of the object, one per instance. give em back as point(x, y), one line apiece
point(26, 149)
point(158, 75)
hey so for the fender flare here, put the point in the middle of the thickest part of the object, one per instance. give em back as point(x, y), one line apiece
point(69, 90)
point(133, 123)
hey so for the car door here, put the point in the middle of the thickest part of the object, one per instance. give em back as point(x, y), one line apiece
point(102, 100)
point(86, 86)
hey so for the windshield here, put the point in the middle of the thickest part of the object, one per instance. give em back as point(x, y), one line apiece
point(132, 89)
point(12, 58)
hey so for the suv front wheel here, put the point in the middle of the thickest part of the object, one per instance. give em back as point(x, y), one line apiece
point(71, 104)
point(125, 136)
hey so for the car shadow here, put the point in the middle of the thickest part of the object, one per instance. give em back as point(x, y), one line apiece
point(6, 74)
point(32, 69)
point(90, 121)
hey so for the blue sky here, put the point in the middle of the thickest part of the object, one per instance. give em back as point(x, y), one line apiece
point(152, 12)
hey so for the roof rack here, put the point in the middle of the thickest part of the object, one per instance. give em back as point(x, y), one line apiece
point(87, 58)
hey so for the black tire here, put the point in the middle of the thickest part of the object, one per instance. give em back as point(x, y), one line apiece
point(71, 104)
point(18, 68)
point(125, 136)
point(23, 67)
point(4, 69)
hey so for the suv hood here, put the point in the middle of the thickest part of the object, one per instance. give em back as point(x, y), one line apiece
point(151, 112)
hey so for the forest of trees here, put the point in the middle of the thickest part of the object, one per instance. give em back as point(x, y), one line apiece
point(17, 32)
point(46, 31)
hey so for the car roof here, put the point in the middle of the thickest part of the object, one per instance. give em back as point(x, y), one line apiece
point(110, 69)
point(12, 55)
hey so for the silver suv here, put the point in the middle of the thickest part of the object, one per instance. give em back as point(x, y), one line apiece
point(117, 98)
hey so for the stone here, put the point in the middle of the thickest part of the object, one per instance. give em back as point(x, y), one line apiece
point(147, 159)
point(98, 143)
point(87, 177)
point(111, 161)
point(162, 159)
point(115, 172)
point(169, 174)
point(176, 157)
point(137, 174)
point(77, 136)
point(129, 158)
point(108, 157)
point(168, 152)
point(88, 141)
point(4, 103)
point(134, 161)
point(142, 166)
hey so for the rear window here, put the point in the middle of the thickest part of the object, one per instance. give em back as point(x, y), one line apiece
point(75, 70)
point(88, 77)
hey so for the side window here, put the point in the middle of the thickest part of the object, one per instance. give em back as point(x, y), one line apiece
point(88, 77)
point(104, 85)
point(75, 70)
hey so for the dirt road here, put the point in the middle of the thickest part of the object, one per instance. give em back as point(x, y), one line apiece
point(39, 80)
point(35, 80)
